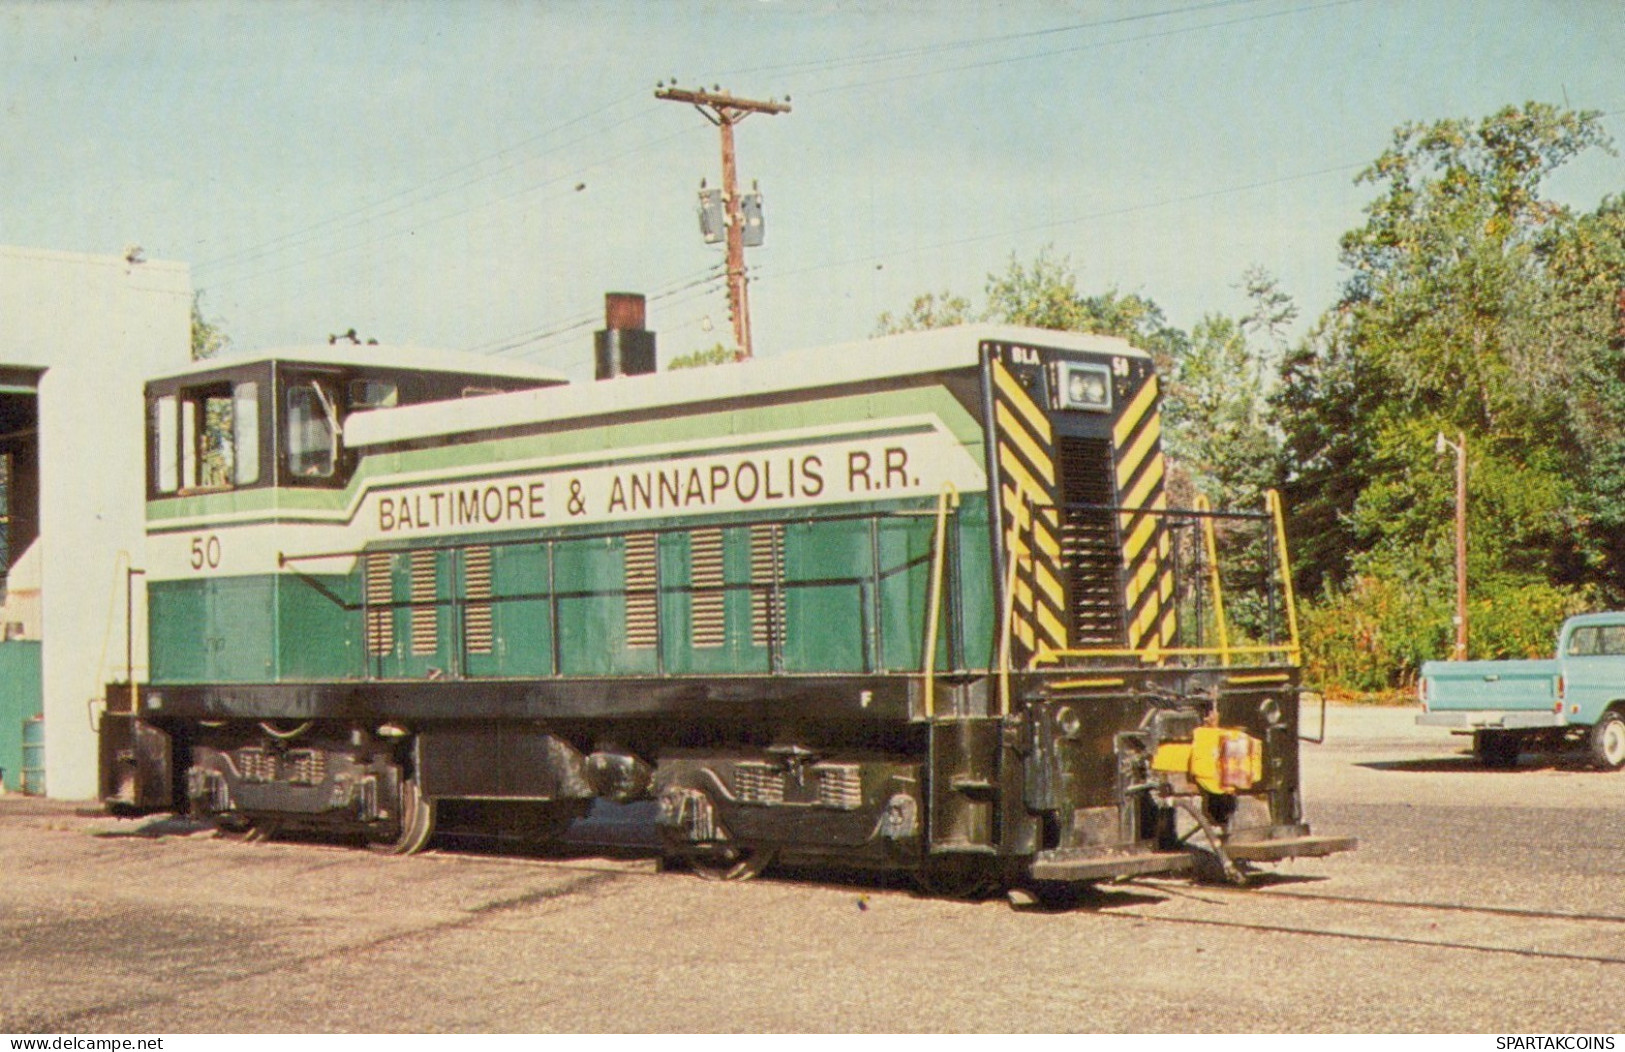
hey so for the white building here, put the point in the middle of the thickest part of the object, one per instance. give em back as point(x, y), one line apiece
point(78, 336)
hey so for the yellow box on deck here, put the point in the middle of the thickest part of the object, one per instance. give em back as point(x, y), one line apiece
point(1218, 759)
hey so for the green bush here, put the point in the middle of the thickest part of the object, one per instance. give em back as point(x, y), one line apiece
point(1374, 636)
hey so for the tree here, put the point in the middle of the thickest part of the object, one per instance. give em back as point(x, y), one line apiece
point(929, 311)
point(1045, 296)
point(1586, 258)
point(715, 355)
point(1447, 323)
point(209, 338)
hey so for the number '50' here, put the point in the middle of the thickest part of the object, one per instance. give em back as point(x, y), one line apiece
point(205, 552)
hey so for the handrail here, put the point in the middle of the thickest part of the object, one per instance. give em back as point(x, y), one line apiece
point(1272, 501)
point(1210, 545)
point(1149, 655)
point(947, 500)
point(1015, 551)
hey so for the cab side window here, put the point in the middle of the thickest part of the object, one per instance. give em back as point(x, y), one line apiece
point(205, 438)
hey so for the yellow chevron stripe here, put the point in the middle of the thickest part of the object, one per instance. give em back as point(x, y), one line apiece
point(1021, 401)
point(1137, 453)
point(1054, 630)
point(1024, 595)
point(1041, 533)
point(1135, 542)
point(1165, 587)
point(1010, 429)
point(1023, 631)
point(1051, 587)
point(1144, 623)
point(1136, 409)
point(1012, 466)
point(1170, 627)
point(1142, 491)
point(1141, 579)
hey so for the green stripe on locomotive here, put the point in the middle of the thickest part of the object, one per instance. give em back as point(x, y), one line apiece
point(837, 608)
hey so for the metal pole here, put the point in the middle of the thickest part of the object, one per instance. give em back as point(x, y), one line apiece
point(1461, 548)
point(130, 574)
point(1440, 444)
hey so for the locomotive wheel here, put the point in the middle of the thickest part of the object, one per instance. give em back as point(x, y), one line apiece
point(417, 823)
point(730, 862)
point(1607, 742)
point(950, 877)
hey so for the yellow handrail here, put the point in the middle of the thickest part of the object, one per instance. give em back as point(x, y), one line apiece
point(1210, 544)
point(1272, 501)
point(947, 500)
point(1015, 550)
point(1147, 655)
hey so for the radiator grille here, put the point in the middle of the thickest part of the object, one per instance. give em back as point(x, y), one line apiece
point(708, 600)
point(380, 589)
point(425, 614)
point(478, 635)
point(766, 601)
point(1090, 548)
point(642, 596)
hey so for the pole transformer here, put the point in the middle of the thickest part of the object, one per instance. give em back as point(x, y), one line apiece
point(725, 110)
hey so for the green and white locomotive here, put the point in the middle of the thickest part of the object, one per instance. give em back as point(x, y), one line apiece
point(917, 603)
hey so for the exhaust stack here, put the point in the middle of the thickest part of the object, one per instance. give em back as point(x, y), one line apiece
point(623, 347)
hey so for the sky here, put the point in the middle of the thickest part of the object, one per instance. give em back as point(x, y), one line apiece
point(477, 175)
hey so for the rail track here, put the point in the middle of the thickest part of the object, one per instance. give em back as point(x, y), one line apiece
point(1541, 934)
point(1510, 930)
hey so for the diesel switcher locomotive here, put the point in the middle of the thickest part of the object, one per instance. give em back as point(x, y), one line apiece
point(919, 603)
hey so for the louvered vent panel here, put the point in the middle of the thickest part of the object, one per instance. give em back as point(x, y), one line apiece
point(642, 600)
point(1090, 549)
point(840, 786)
point(766, 602)
point(758, 783)
point(425, 614)
point(708, 604)
point(477, 630)
point(380, 613)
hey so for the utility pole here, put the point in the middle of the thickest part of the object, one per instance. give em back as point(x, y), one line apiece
point(1440, 446)
point(726, 110)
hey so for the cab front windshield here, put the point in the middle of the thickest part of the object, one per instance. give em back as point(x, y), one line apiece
point(311, 438)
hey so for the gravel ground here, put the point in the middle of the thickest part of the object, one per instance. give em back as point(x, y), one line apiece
point(158, 927)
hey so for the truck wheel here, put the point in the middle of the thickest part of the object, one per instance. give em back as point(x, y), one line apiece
point(1607, 741)
point(1496, 748)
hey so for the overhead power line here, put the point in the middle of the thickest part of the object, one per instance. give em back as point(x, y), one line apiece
point(1051, 224)
point(367, 213)
point(972, 43)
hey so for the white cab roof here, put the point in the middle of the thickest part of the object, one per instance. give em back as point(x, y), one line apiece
point(423, 359)
point(907, 354)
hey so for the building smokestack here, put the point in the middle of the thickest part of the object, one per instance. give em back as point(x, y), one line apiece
point(623, 347)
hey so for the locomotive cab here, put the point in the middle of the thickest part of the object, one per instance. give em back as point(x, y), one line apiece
point(278, 421)
point(234, 445)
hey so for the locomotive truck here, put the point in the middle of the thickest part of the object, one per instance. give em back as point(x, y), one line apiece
point(918, 603)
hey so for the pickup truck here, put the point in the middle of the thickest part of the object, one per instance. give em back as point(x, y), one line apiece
point(1576, 697)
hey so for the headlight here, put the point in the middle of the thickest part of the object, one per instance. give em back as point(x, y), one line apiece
point(1086, 387)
